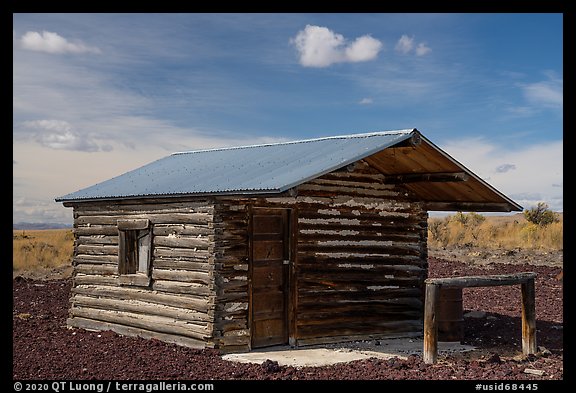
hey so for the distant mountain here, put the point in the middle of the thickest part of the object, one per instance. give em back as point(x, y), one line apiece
point(40, 225)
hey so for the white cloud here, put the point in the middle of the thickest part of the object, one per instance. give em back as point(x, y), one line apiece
point(422, 49)
point(53, 43)
point(321, 47)
point(59, 135)
point(366, 101)
point(364, 48)
point(547, 93)
point(405, 45)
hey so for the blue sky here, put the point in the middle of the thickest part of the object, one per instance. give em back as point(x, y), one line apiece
point(96, 95)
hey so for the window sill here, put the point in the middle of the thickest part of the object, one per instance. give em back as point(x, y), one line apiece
point(136, 280)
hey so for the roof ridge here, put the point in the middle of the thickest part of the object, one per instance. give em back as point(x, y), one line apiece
point(362, 135)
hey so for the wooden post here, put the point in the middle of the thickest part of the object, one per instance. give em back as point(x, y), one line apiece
point(528, 317)
point(430, 323)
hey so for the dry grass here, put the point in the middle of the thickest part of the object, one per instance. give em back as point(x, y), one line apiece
point(494, 232)
point(41, 249)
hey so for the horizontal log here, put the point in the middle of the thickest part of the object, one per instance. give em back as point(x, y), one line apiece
point(93, 269)
point(230, 261)
point(98, 239)
point(138, 279)
point(196, 243)
point(368, 209)
point(96, 259)
point(91, 249)
point(354, 319)
point(174, 253)
point(366, 276)
point(483, 281)
point(230, 283)
point(373, 310)
point(89, 324)
point(148, 322)
point(95, 230)
point(146, 205)
point(176, 287)
point(181, 275)
point(383, 289)
point(182, 264)
point(324, 190)
point(226, 266)
point(181, 229)
point(236, 341)
point(357, 223)
point(320, 282)
point(392, 260)
point(358, 251)
point(131, 224)
point(239, 234)
point(356, 242)
point(319, 235)
point(141, 307)
point(85, 279)
point(227, 296)
point(199, 303)
point(306, 297)
point(353, 226)
point(231, 324)
point(380, 203)
point(233, 249)
point(155, 218)
point(394, 327)
point(358, 266)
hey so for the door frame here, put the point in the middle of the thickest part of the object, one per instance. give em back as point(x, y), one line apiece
point(290, 296)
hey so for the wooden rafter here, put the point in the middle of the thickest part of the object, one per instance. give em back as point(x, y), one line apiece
point(426, 177)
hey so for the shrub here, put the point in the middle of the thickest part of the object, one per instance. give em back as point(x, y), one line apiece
point(540, 215)
point(471, 218)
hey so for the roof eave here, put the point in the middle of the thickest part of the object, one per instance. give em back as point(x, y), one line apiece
point(70, 201)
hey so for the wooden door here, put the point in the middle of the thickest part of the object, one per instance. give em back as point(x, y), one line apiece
point(269, 277)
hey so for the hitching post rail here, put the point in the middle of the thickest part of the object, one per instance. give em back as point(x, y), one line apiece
point(433, 285)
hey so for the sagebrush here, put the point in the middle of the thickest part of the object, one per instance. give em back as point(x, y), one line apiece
point(473, 229)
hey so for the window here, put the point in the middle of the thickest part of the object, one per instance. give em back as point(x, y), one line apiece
point(134, 252)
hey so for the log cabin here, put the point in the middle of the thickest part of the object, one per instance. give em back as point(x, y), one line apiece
point(295, 243)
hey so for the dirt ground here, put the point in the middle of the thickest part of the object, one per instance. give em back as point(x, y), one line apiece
point(44, 348)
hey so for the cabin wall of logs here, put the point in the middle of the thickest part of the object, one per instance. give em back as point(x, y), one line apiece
point(358, 264)
point(178, 304)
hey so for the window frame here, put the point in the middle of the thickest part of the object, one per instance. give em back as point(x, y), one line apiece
point(135, 236)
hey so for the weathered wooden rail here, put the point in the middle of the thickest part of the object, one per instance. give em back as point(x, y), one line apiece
point(433, 285)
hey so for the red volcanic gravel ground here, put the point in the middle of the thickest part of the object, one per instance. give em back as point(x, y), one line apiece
point(44, 349)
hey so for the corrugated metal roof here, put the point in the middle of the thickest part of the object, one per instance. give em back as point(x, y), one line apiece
point(269, 168)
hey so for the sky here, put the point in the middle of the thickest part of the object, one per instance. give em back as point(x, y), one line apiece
point(98, 94)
